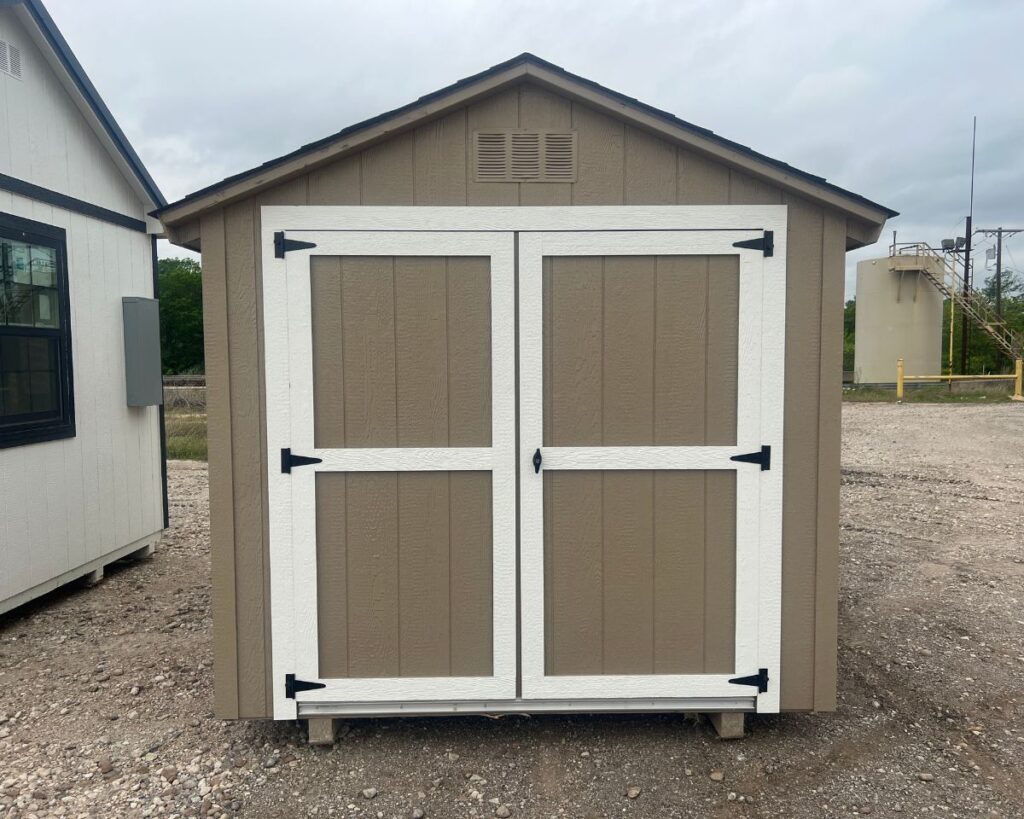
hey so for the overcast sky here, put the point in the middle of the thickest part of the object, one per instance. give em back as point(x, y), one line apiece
point(876, 96)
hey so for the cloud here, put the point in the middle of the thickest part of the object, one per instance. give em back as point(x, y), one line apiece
point(876, 96)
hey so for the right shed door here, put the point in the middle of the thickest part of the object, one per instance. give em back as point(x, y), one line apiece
point(649, 362)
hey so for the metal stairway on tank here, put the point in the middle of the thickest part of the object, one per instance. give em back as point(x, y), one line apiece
point(950, 284)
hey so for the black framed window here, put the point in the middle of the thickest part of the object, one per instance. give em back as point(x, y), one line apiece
point(36, 390)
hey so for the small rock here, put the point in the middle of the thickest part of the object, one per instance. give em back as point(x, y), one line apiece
point(169, 772)
point(503, 812)
point(926, 777)
point(417, 813)
point(369, 793)
point(270, 762)
point(453, 757)
point(717, 776)
point(633, 792)
point(104, 764)
point(732, 796)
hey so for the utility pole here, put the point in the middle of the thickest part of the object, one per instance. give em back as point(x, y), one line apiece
point(965, 330)
point(1000, 234)
point(998, 273)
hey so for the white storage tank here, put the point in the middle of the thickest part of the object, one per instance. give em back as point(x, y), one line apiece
point(899, 315)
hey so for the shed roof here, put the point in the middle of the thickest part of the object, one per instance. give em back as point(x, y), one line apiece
point(523, 67)
point(81, 88)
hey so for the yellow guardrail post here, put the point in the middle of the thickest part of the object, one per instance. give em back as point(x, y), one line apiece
point(1018, 380)
point(899, 380)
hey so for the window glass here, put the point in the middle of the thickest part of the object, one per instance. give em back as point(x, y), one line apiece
point(28, 297)
point(36, 401)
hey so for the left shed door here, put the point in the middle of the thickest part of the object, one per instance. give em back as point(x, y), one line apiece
point(389, 362)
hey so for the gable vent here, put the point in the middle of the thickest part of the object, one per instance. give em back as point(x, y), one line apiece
point(525, 156)
point(10, 59)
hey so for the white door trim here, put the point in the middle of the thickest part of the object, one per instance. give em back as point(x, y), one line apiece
point(527, 219)
point(759, 421)
point(292, 507)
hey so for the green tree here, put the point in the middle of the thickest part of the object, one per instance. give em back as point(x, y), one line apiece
point(985, 356)
point(849, 334)
point(181, 316)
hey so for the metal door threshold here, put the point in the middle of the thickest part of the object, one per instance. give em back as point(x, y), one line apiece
point(522, 706)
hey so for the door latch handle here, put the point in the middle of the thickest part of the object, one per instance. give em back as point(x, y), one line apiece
point(537, 460)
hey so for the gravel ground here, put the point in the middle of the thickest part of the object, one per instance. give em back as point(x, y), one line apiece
point(105, 693)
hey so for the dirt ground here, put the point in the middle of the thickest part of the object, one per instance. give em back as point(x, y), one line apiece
point(105, 693)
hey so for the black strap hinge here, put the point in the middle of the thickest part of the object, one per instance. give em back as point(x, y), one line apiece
point(293, 686)
point(288, 460)
point(764, 457)
point(760, 679)
point(766, 244)
point(283, 245)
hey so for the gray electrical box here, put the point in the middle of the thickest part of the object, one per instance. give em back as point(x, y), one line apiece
point(143, 380)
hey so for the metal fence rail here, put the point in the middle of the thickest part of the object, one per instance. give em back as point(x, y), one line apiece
point(1017, 378)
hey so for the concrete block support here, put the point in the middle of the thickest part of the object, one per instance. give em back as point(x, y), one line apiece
point(321, 731)
point(728, 724)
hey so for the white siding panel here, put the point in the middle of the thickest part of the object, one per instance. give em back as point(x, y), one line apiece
point(74, 479)
point(74, 501)
point(5, 132)
point(44, 138)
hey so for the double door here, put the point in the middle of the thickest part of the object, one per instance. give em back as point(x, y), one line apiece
point(524, 459)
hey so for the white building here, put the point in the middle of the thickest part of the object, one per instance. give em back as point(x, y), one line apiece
point(82, 478)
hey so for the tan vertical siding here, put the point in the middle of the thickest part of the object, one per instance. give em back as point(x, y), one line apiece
point(247, 453)
point(223, 545)
point(337, 184)
point(650, 169)
point(332, 571)
point(470, 547)
point(498, 111)
point(388, 176)
point(628, 497)
point(402, 347)
point(800, 483)
point(544, 110)
point(601, 159)
point(826, 634)
point(325, 275)
point(701, 181)
point(630, 343)
point(616, 165)
point(439, 161)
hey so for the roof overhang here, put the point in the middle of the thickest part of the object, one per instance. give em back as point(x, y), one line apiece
point(51, 43)
point(865, 218)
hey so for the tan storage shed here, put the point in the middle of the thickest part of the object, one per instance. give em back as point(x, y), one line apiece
point(523, 397)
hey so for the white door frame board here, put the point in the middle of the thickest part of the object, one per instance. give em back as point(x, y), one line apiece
point(288, 355)
point(754, 218)
point(760, 380)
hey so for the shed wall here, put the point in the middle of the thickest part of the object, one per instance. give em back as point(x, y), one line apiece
point(431, 165)
point(70, 502)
